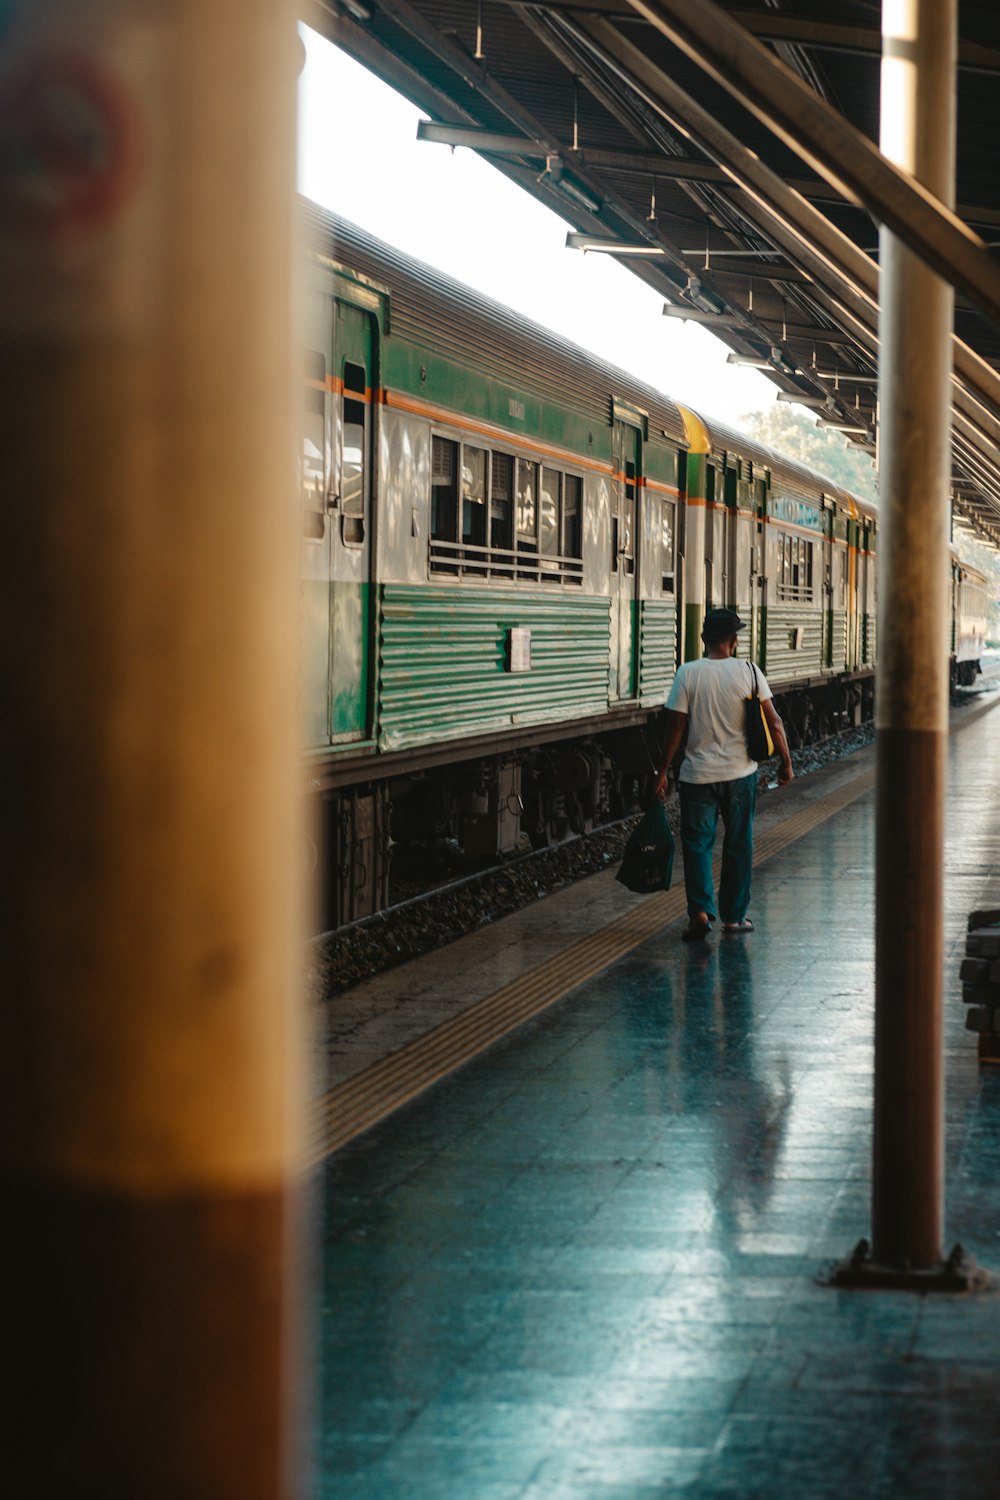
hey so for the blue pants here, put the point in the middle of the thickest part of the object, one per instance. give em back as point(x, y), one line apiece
point(701, 804)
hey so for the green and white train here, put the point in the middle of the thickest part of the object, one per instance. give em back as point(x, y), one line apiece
point(508, 546)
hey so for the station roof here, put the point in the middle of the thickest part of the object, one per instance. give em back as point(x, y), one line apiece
point(724, 152)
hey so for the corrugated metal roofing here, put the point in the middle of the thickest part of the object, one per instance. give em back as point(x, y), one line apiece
point(445, 317)
point(544, 68)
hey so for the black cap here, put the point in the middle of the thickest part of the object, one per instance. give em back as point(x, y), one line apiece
point(721, 625)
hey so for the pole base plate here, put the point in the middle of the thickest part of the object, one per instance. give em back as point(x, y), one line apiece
point(958, 1273)
point(989, 1048)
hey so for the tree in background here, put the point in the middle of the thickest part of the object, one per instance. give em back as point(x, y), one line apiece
point(790, 432)
point(823, 449)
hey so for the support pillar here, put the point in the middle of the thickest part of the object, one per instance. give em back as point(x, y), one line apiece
point(147, 604)
point(918, 134)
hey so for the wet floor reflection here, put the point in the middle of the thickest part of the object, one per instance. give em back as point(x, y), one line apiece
point(586, 1264)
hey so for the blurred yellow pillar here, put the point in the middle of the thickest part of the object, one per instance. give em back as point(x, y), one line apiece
point(919, 40)
point(150, 903)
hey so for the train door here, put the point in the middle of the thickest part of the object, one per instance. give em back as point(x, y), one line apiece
point(862, 577)
point(314, 475)
point(624, 572)
point(853, 596)
point(865, 596)
point(826, 627)
point(734, 587)
point(720, 527)
point(710, 519)
point(758, 581)
point(351, 529)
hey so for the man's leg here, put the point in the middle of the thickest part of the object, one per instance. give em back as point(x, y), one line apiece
point(738, 800)
point(699, 816)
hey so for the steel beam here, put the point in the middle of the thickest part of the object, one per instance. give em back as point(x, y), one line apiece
point(653, 164)
point(845, 279)
point(641, 163)
point(807, 332)
point(783, 214)
point(836, 36)
point(480, 139)
point(763, 271)
point(481, 83)
point(803, 31)
point(828, 143)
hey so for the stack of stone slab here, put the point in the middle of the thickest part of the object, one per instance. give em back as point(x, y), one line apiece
point(981, 981)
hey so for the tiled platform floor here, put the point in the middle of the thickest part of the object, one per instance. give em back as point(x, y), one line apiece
point(585, 1265)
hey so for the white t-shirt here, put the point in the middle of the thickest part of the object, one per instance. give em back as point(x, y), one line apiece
point(712, 693)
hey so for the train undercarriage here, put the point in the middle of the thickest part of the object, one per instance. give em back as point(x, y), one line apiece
point(519, 796)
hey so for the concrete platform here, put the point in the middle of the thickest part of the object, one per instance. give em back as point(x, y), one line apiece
point(585, 1264)
point(392, 1010)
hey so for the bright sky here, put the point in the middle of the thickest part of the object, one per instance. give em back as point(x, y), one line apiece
point(359, 155)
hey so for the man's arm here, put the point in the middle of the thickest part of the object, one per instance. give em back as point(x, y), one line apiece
point(785, 774)
point(676, 725)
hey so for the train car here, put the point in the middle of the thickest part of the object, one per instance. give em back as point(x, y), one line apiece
point(795, 554)
point(507, 546)
point(489, 538)
point(969, 603)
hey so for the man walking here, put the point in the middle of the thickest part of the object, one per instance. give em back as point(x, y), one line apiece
point(717, 775)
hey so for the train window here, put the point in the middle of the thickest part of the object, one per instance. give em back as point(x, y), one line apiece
point(624, 533)
point(527, 517)
point(667, 547)
point(527, 502)
point(352, 463)
point(794, 568)
point(355, 385)
point(805, 574)
point(504, 518)
point(572, 516)
point(501, 501)
point(549, 522)
point(629, 480)
point(548, 511)
point(444, 490)
point(473, 496)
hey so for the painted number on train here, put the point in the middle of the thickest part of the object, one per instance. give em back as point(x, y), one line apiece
point(797, 512)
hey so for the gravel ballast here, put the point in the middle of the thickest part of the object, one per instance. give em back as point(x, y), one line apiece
point(342, 959)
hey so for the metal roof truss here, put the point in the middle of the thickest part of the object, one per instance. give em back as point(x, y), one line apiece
point(706, 136)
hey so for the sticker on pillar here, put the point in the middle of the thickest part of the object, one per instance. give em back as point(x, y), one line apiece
point(83, 229)
point(69, 146)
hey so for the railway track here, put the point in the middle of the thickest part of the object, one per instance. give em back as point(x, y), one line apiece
point(428, 919)
point(421, 919)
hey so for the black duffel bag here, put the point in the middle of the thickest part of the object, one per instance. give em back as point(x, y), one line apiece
point(648, 861)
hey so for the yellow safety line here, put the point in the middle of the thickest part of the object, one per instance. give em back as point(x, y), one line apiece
point(362, 1101)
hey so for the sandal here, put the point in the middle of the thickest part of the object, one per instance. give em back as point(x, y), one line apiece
point(744, 926)
point(697, 929)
